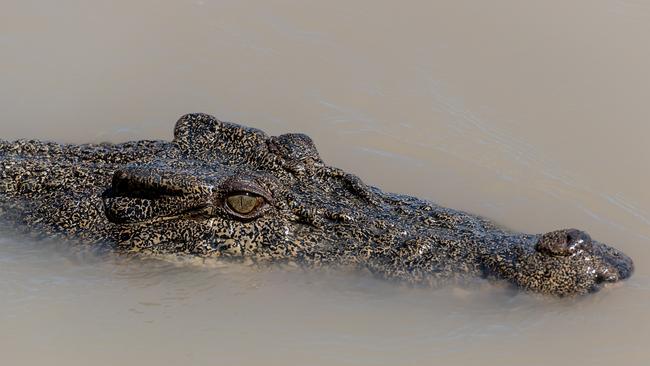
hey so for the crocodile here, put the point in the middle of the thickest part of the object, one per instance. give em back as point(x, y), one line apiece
point(220, 189)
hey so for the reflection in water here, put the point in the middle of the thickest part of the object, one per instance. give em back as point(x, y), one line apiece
point(534, 115)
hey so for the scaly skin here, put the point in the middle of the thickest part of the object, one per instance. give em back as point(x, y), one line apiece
point(223, 190)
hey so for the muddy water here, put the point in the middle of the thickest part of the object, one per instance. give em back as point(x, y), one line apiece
point(535, 115)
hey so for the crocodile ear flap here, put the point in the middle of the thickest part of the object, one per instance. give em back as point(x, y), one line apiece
point(205, 137)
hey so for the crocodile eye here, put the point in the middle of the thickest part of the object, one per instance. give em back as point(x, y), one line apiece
point(244, 203)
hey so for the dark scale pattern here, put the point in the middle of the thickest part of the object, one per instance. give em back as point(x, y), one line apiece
point(159, 197)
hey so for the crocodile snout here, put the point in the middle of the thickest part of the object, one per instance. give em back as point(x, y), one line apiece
point(604, 263)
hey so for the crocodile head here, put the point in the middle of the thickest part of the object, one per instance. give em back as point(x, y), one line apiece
point(224, 190)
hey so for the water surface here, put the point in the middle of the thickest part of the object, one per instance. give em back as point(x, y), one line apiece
point(534, 115)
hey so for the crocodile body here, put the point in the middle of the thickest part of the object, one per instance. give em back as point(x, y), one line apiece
point(219, 189)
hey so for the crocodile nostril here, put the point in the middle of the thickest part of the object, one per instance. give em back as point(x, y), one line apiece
point(563, 242)
point(577, 239)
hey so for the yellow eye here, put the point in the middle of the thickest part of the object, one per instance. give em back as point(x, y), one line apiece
point(244, 203)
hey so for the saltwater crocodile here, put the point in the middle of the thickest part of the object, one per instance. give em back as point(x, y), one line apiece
point(224, 190)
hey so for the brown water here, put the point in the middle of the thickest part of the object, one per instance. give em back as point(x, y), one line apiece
point(533, 114)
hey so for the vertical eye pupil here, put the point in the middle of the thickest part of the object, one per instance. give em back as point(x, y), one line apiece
point(243, 203)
